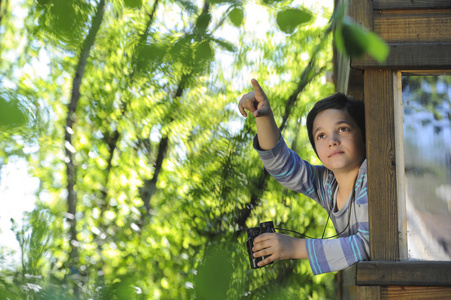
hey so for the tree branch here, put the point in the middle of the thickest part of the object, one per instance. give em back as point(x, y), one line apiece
point(150, 185)
point(71, 116)
point(260, 184)
point(149, 188)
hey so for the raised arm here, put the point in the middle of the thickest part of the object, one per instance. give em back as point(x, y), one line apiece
point(257, 103)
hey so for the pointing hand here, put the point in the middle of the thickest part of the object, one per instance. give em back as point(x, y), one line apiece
point(256, 102)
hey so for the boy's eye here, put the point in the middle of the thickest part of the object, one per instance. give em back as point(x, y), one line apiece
point(320, 136)
point(343, 129)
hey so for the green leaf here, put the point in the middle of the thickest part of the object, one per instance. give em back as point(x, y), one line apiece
point(182, 48)
point(11, 114)
point(187, 6)
point(64, 13)
point(377, 48)
point(133, 3)
point(271, 2)
point(236, 16)
point(338, 39)
point(43, 2)
point(222, 1)
point(214, 274)
point(225, 45)
point(289, 19)
point(202, 22)
point(355, 41)
point(204, 51)
point(148, 56)
point(152, 52)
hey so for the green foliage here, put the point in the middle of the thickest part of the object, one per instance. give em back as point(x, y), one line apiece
point(62, 22)
point(166, 181)
point(355, 41)
point(236, 16)
point(290, 18)
point(133, 3)
point(214, 274)
point(271, 2)
point(43, 2)
point(11, 114)
point(203, 21)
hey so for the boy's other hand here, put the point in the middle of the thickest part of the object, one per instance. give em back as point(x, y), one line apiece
point(256, 102)
point(278, 246)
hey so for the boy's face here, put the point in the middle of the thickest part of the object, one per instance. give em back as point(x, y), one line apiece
point(338, 141)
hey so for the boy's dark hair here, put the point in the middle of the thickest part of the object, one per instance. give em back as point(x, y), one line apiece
point(340, 101)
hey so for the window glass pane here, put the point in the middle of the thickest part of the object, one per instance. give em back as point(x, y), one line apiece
point(427, 154)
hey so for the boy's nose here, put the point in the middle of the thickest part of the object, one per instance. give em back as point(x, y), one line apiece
point(333, 140)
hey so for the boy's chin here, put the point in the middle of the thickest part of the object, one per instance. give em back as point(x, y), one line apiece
point(341, 167)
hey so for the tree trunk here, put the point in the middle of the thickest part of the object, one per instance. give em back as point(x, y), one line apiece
point(69, 149)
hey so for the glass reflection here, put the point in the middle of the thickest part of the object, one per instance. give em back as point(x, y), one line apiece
point(427, 154)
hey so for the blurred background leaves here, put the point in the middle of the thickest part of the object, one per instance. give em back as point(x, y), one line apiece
point(158, 162)
point(12, 114)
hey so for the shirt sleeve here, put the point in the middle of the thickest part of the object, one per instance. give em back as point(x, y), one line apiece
point(292, 172)
point(337, 254)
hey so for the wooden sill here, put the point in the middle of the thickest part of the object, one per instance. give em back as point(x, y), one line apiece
point(399, 273)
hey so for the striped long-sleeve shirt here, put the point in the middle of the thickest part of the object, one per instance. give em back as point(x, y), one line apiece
point(319, 183)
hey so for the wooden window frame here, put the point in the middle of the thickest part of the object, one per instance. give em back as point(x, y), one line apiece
point(389, 273)
point(388, 235)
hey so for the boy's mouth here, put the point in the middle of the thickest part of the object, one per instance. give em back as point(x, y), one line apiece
point(336, 153)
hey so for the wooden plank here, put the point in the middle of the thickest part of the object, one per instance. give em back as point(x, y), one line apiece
point(362, 12)
point(400, 175)
point(403, 273)
point(427, 72)
point(411, 57)
point(382, 192)
point(415, 293)
point(345, 282)
point(364, 292)
point(413, 26)
point(369, 292)
point(355, 84)
point(397, 4)
point(348, 276)
point(349, 290)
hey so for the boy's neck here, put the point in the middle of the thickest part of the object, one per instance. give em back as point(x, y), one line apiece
point(345, 182)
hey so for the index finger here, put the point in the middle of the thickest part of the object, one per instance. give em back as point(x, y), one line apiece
point(257, 88)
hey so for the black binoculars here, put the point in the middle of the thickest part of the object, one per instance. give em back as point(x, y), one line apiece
point(252, 233)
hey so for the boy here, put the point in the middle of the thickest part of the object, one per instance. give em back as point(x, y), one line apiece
point(336, 129)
